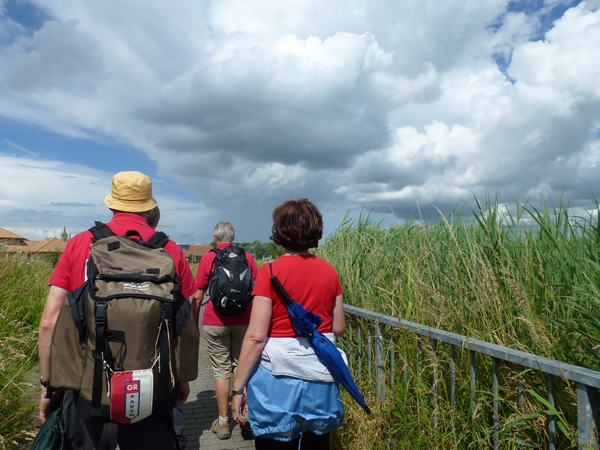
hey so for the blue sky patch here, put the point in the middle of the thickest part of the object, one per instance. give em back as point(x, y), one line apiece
point(27, 14)
point(102, 152)
point(546, 18)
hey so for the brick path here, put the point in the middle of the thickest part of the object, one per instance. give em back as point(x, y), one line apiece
point(201, 409)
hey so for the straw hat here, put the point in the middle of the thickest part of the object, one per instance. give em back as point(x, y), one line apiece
point(131, 192)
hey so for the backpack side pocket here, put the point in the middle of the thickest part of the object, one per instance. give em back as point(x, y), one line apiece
point(67, 353)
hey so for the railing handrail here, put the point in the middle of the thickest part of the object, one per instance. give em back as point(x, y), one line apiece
point(561, 369)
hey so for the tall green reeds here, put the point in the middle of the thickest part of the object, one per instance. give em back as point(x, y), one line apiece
point(514, 280)
point(23, 289)
point(529, 280)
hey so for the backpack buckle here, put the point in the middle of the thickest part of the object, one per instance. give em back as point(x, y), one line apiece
point(100, 312)
point(167, 311)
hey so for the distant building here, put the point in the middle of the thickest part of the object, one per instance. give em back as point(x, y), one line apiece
point(48, 245)
point(13, 243)
point(193, 253)
point(10, 241)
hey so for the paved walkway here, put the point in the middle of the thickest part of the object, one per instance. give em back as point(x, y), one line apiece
point(201, 409)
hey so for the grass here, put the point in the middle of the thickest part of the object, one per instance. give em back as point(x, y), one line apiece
point(23, 290)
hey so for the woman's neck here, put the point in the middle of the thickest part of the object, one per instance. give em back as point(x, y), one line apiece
point(289, 252)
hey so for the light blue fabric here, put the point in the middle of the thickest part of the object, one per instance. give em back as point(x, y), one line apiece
point(282, 408)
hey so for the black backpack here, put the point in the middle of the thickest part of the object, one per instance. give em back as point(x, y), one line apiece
point(230, 281)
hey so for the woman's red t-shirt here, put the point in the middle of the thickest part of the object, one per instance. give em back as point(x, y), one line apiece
point(309, 280)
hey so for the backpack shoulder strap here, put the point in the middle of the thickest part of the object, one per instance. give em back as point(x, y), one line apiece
point(100, 231)
point(158, 239)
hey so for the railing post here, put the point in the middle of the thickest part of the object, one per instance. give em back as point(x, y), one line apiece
point(434, 345)
point(521, 389)
point(405, 368)
point(379, 351)
point(551, 419)
point(587, 409)
point(350, 341)
point(360, 350)
point(495, 389)
point(392, 361)
point(473, 381)
point(452, 377)
point(369, 352)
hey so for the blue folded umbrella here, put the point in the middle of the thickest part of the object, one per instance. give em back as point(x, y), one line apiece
point(305, 323)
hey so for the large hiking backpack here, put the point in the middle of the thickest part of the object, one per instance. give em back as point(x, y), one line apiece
point(125, 338)
point(230, 281)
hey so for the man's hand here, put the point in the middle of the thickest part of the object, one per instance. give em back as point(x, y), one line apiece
point(184, 392)
point(47, 405)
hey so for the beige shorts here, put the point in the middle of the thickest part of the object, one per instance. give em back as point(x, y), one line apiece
point(224, 344)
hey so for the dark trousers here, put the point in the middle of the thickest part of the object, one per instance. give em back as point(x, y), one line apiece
point(178, 426)
point(75, 432)
point(155, 432)
point(308, 441)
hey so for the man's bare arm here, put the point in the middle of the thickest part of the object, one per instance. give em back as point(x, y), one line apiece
point(54, 301)
point(197, 304)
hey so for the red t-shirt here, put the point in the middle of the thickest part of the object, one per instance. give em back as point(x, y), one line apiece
point(310, 281)
point(70, 271)
point(211, 317)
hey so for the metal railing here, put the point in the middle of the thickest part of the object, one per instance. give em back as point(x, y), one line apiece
point(371, 336)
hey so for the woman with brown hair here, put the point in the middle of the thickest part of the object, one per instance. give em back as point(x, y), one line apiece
point(293, 401)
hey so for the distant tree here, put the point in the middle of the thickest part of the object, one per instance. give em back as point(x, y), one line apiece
point(275, 250)
point(262, 250)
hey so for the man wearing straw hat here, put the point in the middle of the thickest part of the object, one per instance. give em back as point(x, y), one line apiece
point(130, 201)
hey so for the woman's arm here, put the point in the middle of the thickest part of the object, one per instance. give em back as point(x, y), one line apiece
point(252, 347)
point(254, 340)
point(339, 321)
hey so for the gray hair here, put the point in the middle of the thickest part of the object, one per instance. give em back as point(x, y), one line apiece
point(224, 232)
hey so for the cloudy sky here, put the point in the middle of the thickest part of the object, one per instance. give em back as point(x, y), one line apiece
point(397, 107)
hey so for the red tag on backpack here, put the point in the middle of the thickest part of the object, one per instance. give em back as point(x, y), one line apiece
point(131, 395)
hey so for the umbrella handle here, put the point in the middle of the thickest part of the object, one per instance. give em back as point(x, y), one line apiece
point(282, 292)
point(280, 289)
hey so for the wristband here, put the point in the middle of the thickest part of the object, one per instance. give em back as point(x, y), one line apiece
point(49, 389)
point(240, 392)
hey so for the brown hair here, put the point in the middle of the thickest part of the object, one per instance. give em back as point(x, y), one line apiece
point(297, 225)
point(153, 217)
